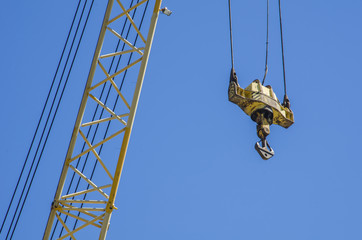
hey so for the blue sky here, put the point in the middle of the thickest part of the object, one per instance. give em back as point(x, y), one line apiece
point(191, 170)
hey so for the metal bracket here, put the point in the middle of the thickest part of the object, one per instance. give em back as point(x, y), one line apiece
point(265, 151)
point(233, 77)
point(55, 205)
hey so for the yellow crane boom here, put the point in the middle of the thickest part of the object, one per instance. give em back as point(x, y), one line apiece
point(95, 210)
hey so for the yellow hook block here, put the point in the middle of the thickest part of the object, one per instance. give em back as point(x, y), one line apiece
point(256, 96)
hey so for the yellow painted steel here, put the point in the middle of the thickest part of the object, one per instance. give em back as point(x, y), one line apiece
point(256, 96)
point(97, 212)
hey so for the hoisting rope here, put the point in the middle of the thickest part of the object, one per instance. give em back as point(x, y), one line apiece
point(231, 37)
point(282, 45)
point(267, 41)
point(286, 102)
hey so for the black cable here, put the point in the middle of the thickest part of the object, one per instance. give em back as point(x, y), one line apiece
point(282, 44)
point(231, 37)
point(267, 41)
point(51, 125)
point(40, 120)
point(36, 153)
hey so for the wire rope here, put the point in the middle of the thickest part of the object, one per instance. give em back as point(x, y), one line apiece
point(56, 110)
point(39, 143)
point(40, 119)
point(231, 36)
point(267, 41)
point(282, 46)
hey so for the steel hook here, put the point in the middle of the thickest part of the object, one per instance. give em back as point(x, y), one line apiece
point(265, 151)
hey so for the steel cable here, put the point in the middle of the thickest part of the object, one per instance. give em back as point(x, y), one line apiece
point(231, 36)
point(56, 110)
point(267, 42)
point(282, 46)
point(37, 128)
point(40, 119)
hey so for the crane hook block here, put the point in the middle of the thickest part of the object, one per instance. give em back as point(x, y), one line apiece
point(264, 108)
point(256, 97)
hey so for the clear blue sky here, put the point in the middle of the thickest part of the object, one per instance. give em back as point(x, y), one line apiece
point(191, 171)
